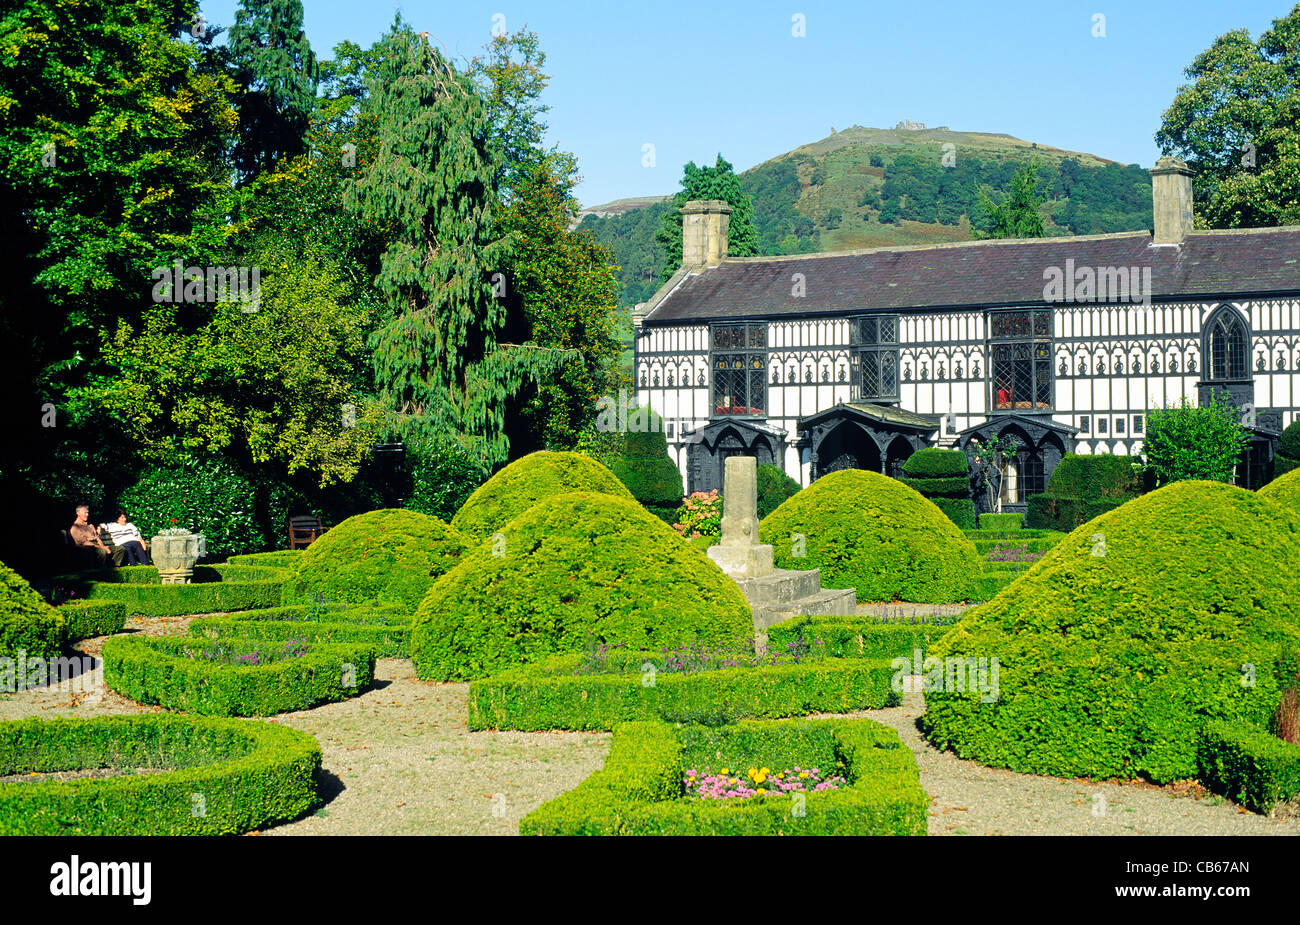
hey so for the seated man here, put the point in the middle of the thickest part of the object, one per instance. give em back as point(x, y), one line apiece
point(127, 536)
point(85, 537)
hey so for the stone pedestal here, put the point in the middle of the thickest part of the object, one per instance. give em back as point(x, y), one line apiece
point(176, 576)
point(739, 554)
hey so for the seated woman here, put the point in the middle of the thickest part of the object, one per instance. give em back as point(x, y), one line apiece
point(127, 536)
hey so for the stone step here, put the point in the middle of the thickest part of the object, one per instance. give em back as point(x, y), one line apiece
point(783, 586)
point(825, 602)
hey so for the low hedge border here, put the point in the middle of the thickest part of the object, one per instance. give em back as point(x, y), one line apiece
point(276, 558)
point(385, 628)
point(1001, 521)
point(1248, 765)
point(216, 588)
point(640, 792)
point(156, 670)
point(550, 695)
point(230, 776)
point(850, 637)
point(87, 619)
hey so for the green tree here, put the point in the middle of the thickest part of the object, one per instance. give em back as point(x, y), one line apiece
point(1187, 442)
point(1019, 214)
point(1235, 125)
point(277, 74)
point(716, 182)
point(439, 365)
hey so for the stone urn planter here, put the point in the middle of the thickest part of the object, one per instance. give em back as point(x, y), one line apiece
point(174, 556)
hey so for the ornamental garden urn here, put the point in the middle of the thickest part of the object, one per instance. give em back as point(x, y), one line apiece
point(174, 554)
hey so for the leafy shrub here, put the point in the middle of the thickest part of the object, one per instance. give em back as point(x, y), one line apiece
point(215, 589)
point(27, 623)
point(774, 487)
point(700, 516)
point(87, 619)
point(389, 555)
point(528, 480)
point(235, 676)
point(1047, 512)
point(1289, 443)
point(1001, 521)
point(208, 496)
point(1248, 765)
point(553, 695)
point(582, 568)
point(1284, 490)
point(961, 511)
point(1128, 635)
point(1081, 488)
point(644, 465)
point(867, 531)
point(442, 479)
point(253, 775)
point(934, 463)
point(640, 789)
point(1187, 442)
point(277, 558)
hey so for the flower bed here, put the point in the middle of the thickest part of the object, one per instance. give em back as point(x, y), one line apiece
point(216, 588)
point(642, 788)
point(554, 694)
point(385, 628)
point(217, 776)
point(218, 677)
point(758, 782)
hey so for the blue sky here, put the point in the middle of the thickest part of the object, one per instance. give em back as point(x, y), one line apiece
point(696, 79)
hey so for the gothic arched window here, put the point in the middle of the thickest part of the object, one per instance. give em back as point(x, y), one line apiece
point(1226, 346)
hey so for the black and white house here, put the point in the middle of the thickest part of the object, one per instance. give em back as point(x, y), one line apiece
point(821, 362)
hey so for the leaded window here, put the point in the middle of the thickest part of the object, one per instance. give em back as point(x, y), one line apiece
point(1020, 348)
point(739, 361)
point(1226, 347)
point(875, 344)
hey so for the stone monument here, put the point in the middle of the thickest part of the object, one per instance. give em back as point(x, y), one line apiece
point(740, 554)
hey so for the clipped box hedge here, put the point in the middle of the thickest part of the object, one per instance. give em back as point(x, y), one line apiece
point(27, 623)
point(640, 790)
point(936, 463)
point(961, 511)
point(215, 589)
point(1047, 512)
point(1248, 765)
point(853, 637)
point(276, 558)
point(386, 628)
point(223, 776)
point(1002, 521)
point(551, 695)
point(87, 619)
point(160, 670)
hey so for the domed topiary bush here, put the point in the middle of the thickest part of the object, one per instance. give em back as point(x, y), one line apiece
point(867, 531)
point(27, 623)
point(1284, 489)
point(774, 487)
point(582, 569)
point(388, 555)
point(1178, 607)
point(644, 466)
point(528, 480)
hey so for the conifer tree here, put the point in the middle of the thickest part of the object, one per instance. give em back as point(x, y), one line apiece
point(277, 74)
point(716, 182)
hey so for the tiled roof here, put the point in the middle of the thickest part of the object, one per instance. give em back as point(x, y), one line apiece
point(882, 413)
point(1208, 264)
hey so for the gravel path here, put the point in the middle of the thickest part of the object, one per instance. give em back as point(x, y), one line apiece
point(399, 760)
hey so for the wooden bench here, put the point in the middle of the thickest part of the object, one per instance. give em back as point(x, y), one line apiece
point(304, 530)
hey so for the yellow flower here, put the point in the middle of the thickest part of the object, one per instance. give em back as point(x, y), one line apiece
point(803, 773)
point(760, 791)
point(724, 771)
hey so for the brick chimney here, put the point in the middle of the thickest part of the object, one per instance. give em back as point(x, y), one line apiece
point(1171, 194)
point(704, 232)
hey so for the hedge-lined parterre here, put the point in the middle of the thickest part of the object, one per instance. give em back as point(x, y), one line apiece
point(855, 637)
point(238, 675)
point(389, 556)
point(87, 619)
point(640, 791)
point(27, 623)
point(386, 628)
point(215, 589)
point(527, 481)
point(213, 776)
point(1124, 639)
point(558, 694)
point(581, 569)
point(867, 531)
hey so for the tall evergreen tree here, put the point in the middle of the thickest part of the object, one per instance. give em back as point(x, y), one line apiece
point(438, 364)
point(1019, 214)
point(277, 74)
point(716, 182)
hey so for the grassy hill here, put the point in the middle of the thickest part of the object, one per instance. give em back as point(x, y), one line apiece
point(867, 187)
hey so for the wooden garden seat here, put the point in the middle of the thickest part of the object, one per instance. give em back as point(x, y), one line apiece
point(304, 530)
